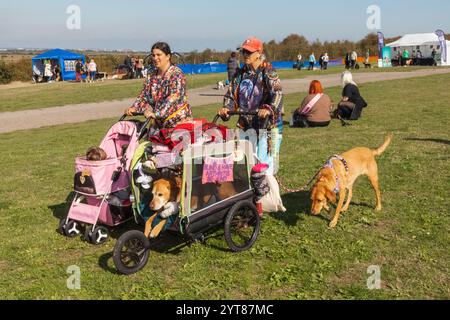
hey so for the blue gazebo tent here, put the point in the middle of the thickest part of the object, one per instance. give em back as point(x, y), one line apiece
point(65, 59)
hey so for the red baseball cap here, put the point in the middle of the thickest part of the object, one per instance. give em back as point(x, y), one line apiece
point(253, 44)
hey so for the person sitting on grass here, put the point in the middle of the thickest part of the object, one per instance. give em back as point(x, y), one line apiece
point(352, 103)
point(315, 110)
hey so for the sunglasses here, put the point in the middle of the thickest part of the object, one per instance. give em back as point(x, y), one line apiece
point(247, 53)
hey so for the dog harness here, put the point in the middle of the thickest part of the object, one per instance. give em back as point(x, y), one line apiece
point(330, 165)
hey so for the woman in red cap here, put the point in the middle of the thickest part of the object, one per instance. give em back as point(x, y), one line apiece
point(257, 88)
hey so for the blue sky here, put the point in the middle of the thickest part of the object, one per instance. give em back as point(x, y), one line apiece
point(200, 24)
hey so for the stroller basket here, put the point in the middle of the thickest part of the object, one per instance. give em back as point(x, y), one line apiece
point(94, 178)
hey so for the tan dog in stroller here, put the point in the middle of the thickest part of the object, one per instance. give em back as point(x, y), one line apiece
point(164, 191)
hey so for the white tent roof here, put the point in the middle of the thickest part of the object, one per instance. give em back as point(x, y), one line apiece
point(412, 40)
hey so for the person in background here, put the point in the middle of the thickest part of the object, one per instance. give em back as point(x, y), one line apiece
point(48, 74)
point(325, 61)
point(299, 61)
point(321, 61)
point(399, 57)
point(129, 65)
point(92, 68)
point(405, 57)
point(312, 61)
point(232, 66)
point(57, 72)
point(133, 67)
point(354, 59)
point(139, 67)
point(414, 57)
point(434, 57)
point(348, 61)
point(352, 103)
point(86, 70)
point(78, 71)
point(315, 110)
point(367, 60)
point(419, 54)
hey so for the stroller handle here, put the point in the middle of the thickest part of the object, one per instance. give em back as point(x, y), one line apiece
point(234, 113)
point(137, 114)
point(265, 122)
point(143, 130)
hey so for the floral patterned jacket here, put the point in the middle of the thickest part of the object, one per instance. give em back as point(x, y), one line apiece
point(253, 90)
point(166, 97)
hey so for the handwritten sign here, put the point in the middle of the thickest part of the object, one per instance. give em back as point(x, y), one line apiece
point(218, 170)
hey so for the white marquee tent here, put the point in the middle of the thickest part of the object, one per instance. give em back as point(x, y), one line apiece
point(425, 42)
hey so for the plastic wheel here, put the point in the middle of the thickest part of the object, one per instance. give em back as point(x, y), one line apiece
point(98, 236)
point(131, 252)
point(242, 226)
point(62, 225)
point(70, 229)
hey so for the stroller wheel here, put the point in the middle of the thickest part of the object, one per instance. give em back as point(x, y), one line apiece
point(98, 236)
point(242, 226)
point(71, 229)
point(131, 252)
point(61, 227)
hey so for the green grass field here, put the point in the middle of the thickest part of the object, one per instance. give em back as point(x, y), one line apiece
point(296, 256)
point(59, 94)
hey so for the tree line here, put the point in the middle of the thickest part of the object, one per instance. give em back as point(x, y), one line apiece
point(289, 48)
point(285, 50)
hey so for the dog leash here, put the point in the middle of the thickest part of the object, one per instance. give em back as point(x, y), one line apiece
point(304, 188)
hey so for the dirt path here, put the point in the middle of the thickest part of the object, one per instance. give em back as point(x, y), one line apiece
point(31, 119)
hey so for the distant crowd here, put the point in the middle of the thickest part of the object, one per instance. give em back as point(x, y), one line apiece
point(351, 61)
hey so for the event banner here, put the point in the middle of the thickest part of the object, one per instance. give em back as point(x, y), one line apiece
point(69, 65)
point(441, 35)
point(387, 57)
point(380, 44)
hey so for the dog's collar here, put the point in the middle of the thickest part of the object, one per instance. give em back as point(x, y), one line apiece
point(330, 165)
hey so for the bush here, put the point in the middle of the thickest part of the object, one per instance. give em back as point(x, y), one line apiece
point(21, 70)
point(107, 63)
point(5, 74)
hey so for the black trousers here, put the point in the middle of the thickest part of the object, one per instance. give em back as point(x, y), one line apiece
point(349, 113)
point(309, 124)
point(301, 122)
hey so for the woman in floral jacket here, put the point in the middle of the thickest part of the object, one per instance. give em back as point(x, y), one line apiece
point(164, 97)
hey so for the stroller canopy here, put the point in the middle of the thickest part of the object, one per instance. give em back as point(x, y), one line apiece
point(121, 140)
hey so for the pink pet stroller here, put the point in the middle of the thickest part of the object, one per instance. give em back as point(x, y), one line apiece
point(102, 188)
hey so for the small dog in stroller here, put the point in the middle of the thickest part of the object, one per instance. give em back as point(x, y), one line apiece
point(96, 154)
